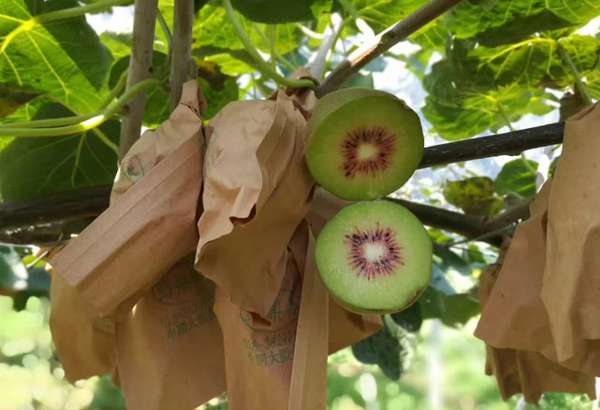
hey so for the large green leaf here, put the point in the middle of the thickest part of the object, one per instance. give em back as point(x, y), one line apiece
point(36, 167)
point(494, 22)
point(212, 28)
point(466, 99)
point(380, 14)
point(62, 59)
point(275, 11)
point(536, 61)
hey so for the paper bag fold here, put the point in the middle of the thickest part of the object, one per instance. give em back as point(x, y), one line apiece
point(514, 324)
point(151, 225)
point(256, 192)
point(170, 347)
point(571, 286)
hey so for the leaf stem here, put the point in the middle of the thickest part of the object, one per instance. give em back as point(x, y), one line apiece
point(581, 87)
point(79, 11)
point(93, 121)
point(57, 122)
point(261, 64)
point(165, 29)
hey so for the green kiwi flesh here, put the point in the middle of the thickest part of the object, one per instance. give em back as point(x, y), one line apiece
point(374, 257)
point(363, 144)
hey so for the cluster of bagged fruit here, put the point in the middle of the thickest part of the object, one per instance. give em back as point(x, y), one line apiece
point(374, 256)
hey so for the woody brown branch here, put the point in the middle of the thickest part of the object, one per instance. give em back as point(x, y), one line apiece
point(140, 68)
point(382, 43)
point(18, 221)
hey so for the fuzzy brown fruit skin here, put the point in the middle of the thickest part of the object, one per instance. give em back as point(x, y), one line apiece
point(363, 144)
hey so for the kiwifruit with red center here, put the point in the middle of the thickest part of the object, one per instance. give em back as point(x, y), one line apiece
point(363, 144)
point(374, 257)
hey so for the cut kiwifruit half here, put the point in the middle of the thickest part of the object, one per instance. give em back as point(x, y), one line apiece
point(363, 144)
point(374, 257)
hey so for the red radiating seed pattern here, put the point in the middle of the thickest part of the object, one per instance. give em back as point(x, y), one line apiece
point(388, 262)
point(377, 136)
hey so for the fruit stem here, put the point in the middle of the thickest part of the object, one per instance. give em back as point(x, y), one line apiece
point(581, 87)
point(261, 64)
point(92, 120)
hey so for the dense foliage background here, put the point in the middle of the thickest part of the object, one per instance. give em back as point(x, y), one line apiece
point(486, 66)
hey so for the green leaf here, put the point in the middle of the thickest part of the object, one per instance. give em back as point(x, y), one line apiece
point(218, 95)
point(35, 167)
point(536, 61)
point(592, 80)
point(475, 196)
point(63, 59)
point(410, 319)
point(452, 310)
point(212, 28)
point(230, 65)
point(380, 14)
point(385, 349)
point(451, 260)
point(275, 11)
point(495, 22)
point(119, 44)
point(465, 99)
point(321, 7)
point(517, 177)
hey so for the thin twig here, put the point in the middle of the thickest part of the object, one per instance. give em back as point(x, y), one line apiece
point(140, 68)
point(182, 66)
point(382, 43)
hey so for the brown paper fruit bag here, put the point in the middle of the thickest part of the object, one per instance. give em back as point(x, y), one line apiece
point(90, 350)
point(84, 342)
point(571, 286)
point(279, 361)
point(256, 192)
point(259, 349)
point(514, 324)
point(126, 250)
point(170, 347)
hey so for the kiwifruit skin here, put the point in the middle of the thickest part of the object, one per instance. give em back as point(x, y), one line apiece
point(424, 255)
point(322, 113)
point(334, 100)
point(360, 310)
